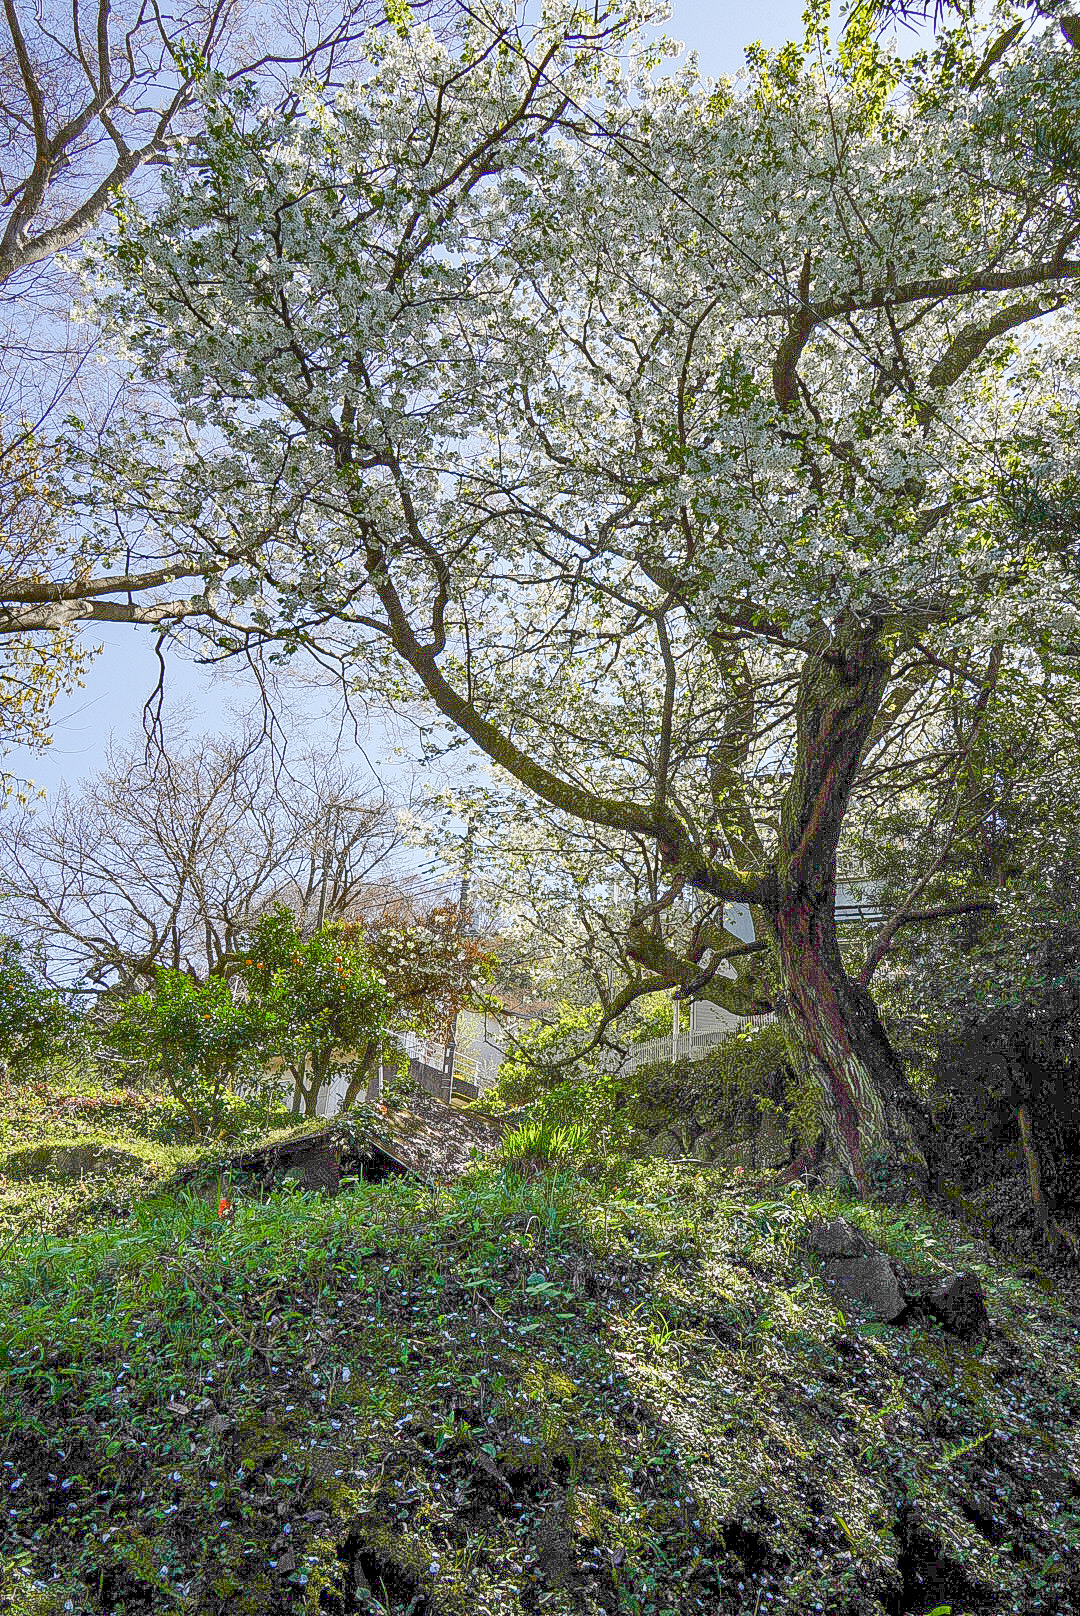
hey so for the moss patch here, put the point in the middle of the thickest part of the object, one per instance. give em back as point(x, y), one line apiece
point(62, 1161)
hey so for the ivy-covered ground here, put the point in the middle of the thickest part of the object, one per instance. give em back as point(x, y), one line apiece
point(615, 1386)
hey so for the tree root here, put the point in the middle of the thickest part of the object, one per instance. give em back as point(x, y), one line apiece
point(805, 1167)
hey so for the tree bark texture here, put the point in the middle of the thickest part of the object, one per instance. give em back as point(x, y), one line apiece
point(834, 1032)
point(836, 1038)
point(363, 1069)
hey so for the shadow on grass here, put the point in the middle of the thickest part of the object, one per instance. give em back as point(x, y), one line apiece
point(612, 1389)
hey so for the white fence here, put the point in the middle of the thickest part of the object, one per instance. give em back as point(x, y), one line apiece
point(689, 1045)
point(481, 1071)
point(423, 1049)
point(479, 1074)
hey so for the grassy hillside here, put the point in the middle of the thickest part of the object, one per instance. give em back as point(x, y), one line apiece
point(619, 1385)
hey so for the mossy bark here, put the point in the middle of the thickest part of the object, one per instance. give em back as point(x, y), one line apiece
point(833, 1029)
point(835, 1038)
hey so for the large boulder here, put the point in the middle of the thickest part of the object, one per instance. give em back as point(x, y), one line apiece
point(871, 1281)
point(667, 1145)
point(955, 1300)
point(857, 1269)
point(835, 1238)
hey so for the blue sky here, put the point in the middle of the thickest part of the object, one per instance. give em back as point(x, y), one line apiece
point(719, 32)
point(120, 680)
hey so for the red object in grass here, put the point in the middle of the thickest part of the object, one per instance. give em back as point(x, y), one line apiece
point(224, 1207)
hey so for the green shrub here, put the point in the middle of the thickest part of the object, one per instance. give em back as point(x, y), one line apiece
point(727, 1091)
point(730, 1086)
point(544, 1056)
point(36, 1025)
point(206, 1045)
point(535, 1063)
point(325, 1008)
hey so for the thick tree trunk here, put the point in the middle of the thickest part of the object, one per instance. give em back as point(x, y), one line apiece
point(836, 1039)
point(835, 1034)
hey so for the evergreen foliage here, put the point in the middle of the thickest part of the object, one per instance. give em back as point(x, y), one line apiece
point(36, 1024)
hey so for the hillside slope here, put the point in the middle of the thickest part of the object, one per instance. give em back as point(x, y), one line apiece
point(622, 1386)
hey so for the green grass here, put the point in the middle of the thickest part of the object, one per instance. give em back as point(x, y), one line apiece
point(618, 1387)
point(77, 1150)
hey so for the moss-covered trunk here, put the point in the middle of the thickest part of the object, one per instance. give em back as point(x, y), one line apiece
point(834, 1031)
point(835, 1037)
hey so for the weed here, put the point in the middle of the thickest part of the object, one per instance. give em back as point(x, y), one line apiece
point(543, 1143)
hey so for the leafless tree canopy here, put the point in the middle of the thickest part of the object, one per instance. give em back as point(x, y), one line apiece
point(168, 858)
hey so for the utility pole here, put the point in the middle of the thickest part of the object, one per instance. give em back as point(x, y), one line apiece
point(448, 1060)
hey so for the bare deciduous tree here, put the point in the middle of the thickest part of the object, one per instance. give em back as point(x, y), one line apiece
point(167, 858)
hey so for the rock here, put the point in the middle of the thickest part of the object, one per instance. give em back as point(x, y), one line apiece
point(857, 1268)
point(739, 1153)
point(836, 1238)
point(869, 1280)
point(956, 1301)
